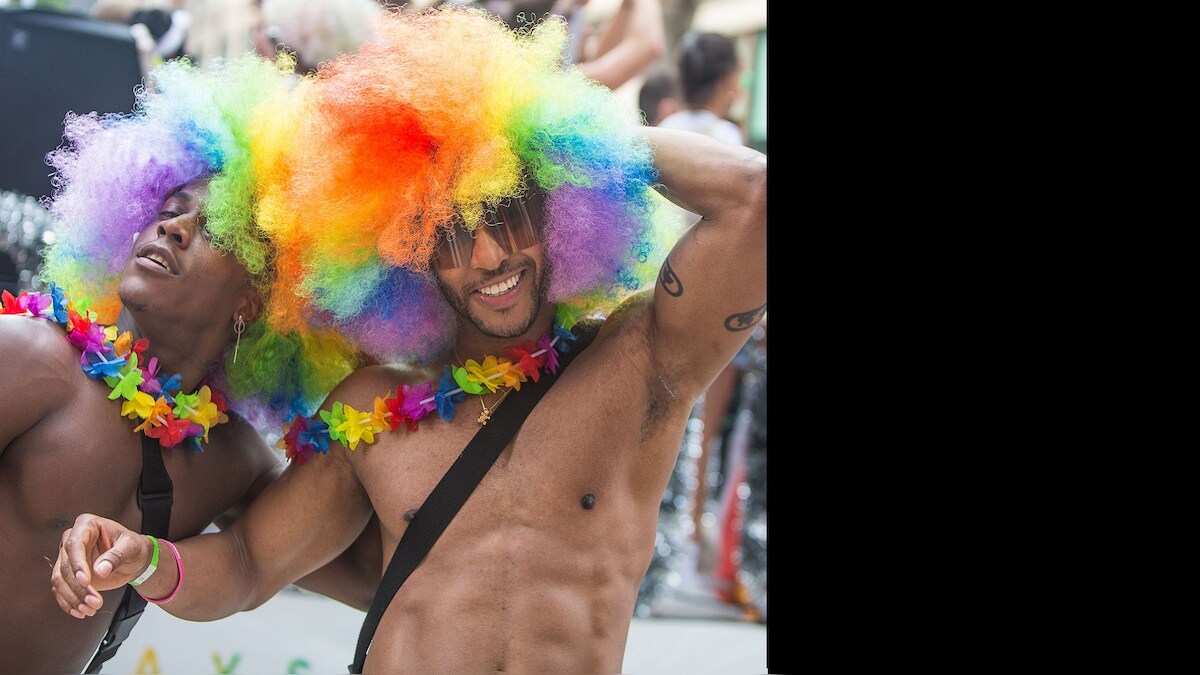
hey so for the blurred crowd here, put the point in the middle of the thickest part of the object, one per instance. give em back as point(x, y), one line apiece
point(713, 539)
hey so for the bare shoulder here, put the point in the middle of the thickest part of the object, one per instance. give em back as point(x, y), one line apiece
point(39, 374)
point(36, 342)
point(363, 386)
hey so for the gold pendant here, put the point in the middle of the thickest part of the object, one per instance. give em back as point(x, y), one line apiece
point(485, 416)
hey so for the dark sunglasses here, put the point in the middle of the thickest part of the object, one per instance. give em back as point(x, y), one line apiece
point(515, 225)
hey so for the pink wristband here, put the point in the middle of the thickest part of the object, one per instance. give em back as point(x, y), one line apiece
point(178, 584)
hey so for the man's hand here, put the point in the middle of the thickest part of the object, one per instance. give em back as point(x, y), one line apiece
point(119, 556)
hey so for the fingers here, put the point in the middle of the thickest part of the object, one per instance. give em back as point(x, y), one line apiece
point(80, 600)
point(96, 553)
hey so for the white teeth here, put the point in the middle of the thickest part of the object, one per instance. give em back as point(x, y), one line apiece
point(497, 289)
point(157, 258)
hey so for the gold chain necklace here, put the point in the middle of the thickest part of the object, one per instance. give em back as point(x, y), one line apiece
point(486, 414)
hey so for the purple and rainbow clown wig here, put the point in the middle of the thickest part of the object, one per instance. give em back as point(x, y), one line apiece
point(112, 174)
point(449, 111)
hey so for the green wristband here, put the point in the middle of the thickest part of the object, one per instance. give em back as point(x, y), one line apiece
point(149, 570)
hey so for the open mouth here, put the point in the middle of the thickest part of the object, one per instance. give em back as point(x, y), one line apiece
point(157, 259)
point(502, 287)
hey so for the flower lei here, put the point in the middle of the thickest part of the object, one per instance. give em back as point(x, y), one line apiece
point(167, 414)
point(305, 436)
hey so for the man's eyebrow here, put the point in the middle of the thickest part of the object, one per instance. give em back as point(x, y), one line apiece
point(179, 192)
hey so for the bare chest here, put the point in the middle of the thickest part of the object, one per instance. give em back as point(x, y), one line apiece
point(86, 458)
point(580, 461)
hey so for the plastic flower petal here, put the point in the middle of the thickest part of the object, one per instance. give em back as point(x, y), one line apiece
point(551, 355)
point(128, 384)
point(61, 301)
point(290, 443)
point(468, 383)
point(485, 373)
point(334, 418)
point(523, 358)
point(150, 383)
point(99, 366)
point(316, 436)
point(9, 304)
point(138, 407)
point(383, 417)
point(171, 431)
point(200, 409)
point(157, 415)
point(36, 304)
point(414, 404)
point(123, 344)
point(357, 425)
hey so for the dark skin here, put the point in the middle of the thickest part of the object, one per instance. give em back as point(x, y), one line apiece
point(64, 447)
point(539, 571)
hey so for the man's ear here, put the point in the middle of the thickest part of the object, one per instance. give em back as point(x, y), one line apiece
point(249, 307)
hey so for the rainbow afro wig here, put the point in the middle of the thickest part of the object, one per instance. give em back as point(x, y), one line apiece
point(112, 174)
point(448, 111)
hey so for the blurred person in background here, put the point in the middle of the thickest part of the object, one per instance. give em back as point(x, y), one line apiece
point(316, 31)
point(709, 76)
point(166, 22)
point(626, 45)
point(659, 95)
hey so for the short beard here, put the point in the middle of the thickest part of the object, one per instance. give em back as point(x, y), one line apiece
point(458, 301)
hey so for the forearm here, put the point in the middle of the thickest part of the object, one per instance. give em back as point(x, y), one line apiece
point(643, 42)
point(209, 581)
point(707, 176)
point(615, 29)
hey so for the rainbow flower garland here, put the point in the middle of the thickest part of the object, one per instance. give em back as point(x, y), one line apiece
point(305, 436)
point(167, 414)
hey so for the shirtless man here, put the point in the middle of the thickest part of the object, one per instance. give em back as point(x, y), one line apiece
point(65, 446)
point(539, 570)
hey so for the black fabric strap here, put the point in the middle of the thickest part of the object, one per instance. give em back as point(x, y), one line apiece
point(455, 487)
point(154, 499)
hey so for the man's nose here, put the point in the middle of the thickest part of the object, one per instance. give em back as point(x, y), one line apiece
point(179, 228)
point(486, 254)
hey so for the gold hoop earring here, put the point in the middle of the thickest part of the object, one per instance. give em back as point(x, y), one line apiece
point(238, 327)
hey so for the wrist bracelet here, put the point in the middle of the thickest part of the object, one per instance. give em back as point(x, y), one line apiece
point(153, 565)
point(178, 583)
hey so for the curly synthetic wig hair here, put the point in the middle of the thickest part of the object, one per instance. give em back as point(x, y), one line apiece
point(445, 114)
point(111, 176)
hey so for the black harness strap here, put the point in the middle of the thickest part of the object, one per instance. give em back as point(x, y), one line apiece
point(452, 492)
point(154, 499)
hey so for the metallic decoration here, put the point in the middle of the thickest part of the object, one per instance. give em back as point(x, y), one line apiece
point(26, 227)
point(674, 521)
point(747, 436)
point(752, 493)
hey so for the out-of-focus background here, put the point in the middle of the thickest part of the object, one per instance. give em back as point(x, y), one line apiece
point(691, 64)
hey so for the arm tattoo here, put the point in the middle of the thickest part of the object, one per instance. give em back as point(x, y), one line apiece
point(744, 320)
point(670, 283)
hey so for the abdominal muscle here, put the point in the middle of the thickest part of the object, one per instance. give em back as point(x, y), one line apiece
point(508, 601)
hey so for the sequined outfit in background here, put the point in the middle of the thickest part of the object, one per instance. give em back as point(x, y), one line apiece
point(25, 228)
point(738, 477)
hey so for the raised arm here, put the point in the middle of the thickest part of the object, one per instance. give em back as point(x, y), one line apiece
point(300, 522)
point(633, 39)
point(712, 289)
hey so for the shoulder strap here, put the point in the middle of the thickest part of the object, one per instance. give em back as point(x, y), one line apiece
point(452, 492)
point(155, 499)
